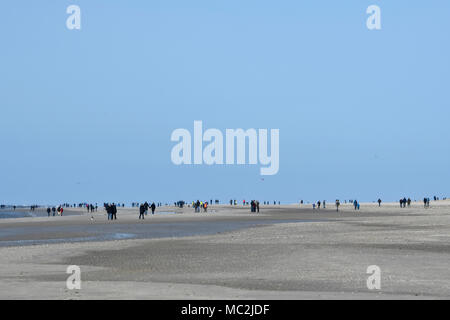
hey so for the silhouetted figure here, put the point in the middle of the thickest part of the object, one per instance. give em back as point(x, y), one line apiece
point(114, 212)
point(153, 206)
point(141, 211)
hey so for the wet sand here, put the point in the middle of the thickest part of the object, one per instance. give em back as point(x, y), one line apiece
point(284, 252)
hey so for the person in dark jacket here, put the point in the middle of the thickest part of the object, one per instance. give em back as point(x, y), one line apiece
point(108, 210)
point(141, 211)
point(153, 206)
point(114, 212)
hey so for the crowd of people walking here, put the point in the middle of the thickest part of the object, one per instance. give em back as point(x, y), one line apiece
point(202, 206)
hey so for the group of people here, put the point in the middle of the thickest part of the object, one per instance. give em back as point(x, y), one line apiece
point(245, 203)
point(337, 203)
point(318, 204)
point(143, 209)
point(111, 209)
point(53, 211)
point(138, 205)
point(198, 205)
point(91, 207)
point(405, 202)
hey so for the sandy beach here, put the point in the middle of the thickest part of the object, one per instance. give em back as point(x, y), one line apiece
point(283, 252)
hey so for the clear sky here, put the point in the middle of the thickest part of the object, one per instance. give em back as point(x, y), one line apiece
point(86, 115)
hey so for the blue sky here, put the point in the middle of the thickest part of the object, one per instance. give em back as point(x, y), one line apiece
point(86, 115)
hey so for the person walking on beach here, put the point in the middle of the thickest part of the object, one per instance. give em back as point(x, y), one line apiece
point(324, 204)
point(318, 204)
point(108, 210)
point(338, 203)
point(114, 212)
point(379, 202)
point(146, 206)
point(355, 204)
point(426, 202)
point(141, 211)
point(53, 211)
point(48, 211)
point(153, 206)
point(257, 206)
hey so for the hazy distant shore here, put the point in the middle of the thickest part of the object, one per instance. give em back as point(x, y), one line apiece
point(284, 252)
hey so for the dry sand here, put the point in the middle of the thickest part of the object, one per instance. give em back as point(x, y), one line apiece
point(284, 252)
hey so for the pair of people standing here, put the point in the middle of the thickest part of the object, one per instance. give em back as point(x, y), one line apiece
point(254, 204)
point(111, 210)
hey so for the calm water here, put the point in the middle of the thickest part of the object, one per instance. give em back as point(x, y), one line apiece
point(8, 214)
point(32, 235)
point(16, 214)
